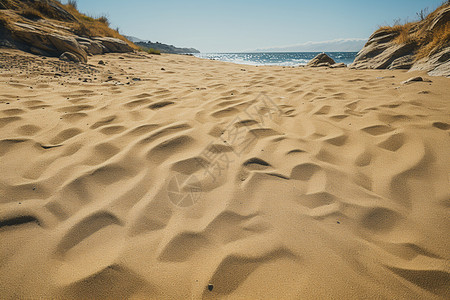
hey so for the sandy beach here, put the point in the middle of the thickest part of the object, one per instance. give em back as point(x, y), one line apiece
point(174, 177)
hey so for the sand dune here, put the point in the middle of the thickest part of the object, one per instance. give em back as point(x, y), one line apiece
point(171, 177)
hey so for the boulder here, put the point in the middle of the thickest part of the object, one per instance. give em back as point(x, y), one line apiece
point(321, 60)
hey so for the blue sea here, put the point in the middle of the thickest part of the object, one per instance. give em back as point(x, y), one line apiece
point(276, 58)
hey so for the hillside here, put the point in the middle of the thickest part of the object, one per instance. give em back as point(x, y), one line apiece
point(49, 28)
point(164, 48)
point(422, 45)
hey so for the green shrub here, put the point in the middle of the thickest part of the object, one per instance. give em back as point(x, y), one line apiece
point(153, 51)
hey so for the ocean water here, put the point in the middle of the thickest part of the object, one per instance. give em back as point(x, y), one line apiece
point(276, 58)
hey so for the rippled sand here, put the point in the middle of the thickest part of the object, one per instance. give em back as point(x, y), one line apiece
point(201, 179)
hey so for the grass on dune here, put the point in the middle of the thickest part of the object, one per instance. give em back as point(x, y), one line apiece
point(428, 41)
point(83, 24)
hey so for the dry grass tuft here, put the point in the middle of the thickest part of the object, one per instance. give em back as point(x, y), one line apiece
point(104, 20)
point(32, 14)
point(438, 40)
point(73, 3)
point(89, 27)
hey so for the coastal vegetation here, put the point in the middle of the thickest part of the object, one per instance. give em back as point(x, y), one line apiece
point(428, 36)
point(80, 23)
point(94, 26)
point(153, 51)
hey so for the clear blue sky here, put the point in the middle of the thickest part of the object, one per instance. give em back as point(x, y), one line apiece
point(238, 25)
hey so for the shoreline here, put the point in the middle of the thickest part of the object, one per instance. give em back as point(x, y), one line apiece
point(289, 59)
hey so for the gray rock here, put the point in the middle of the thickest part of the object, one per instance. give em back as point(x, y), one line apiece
point(321, 60)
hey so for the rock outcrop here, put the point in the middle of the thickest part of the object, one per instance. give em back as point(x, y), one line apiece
point(110, 44)
point(437, 64)
point(30, 31)
point(323, 60)
point(423, 45)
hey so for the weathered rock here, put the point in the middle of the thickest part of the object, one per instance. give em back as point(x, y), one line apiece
point(403, 62)
point(47, 43)
point(113, 45)
point(412, 79)
point(325, 64)
point(68, 44)
point(30, 35)
point(67, 56)
point(384, 51)
point(441, 18)
point(321, 60)
point(90, 46)
point(381, 55)
point(52, 35)
point(39, 51)
point(437, 64)
point(338, 65)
